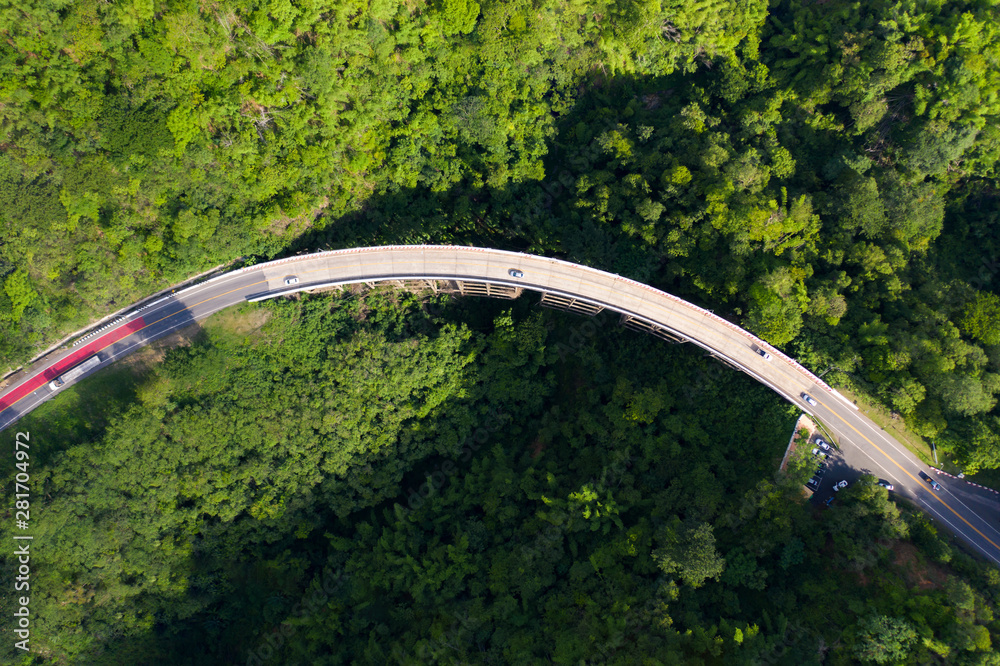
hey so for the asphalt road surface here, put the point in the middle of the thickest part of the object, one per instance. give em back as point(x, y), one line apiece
point(971, 516)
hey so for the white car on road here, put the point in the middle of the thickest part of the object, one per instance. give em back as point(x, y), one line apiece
point(808, 398)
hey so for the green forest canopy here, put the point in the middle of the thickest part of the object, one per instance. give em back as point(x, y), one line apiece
point(823, 173)
point(378, 480)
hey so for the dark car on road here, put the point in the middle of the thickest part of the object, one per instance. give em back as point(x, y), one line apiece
point(934, 484)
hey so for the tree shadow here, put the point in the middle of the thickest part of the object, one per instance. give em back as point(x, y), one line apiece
point(82, 412)
point(536, 217)
point(530, 216)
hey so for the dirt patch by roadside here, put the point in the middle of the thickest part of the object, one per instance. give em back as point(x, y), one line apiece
point(239, 322)
point(918, 574)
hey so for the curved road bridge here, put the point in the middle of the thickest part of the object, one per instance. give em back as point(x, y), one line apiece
point(563, 285)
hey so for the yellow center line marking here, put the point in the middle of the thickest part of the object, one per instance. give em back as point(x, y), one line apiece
point(919, 482)
point(194, 305)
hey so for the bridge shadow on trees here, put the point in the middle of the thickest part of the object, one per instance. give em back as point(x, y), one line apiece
point(377, 483)
point(81, 413)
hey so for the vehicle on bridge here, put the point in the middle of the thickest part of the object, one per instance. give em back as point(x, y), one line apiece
point(808, 398)
point(76, 372)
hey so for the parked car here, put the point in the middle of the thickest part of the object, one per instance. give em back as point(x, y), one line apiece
point(515, 273)
point(808, 398)
point(291, 279)
point(840, 486)
point(813, 484)
point(821, 444)
point(819, 454)
point(886, 485)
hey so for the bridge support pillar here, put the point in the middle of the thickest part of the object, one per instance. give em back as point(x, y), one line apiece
point(630, 322)
point(470, 288)
point(569, 304)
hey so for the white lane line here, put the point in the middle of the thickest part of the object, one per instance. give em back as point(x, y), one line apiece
point(888, 475)
point(970, 510)
point(862, 450)
point(111, 359)
point(891, 442)
point(140, 343)
point(213, 282)
point(910, 456)
point(932, 509)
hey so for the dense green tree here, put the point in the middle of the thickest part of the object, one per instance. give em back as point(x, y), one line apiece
point(884, 640)
point(981, 319)
point(487, 484)
point(329, 469)
point(803, 170)
point(689, 552)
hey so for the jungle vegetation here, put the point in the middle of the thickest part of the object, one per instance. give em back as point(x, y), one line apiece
point(390, 480)
point(822, 173)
